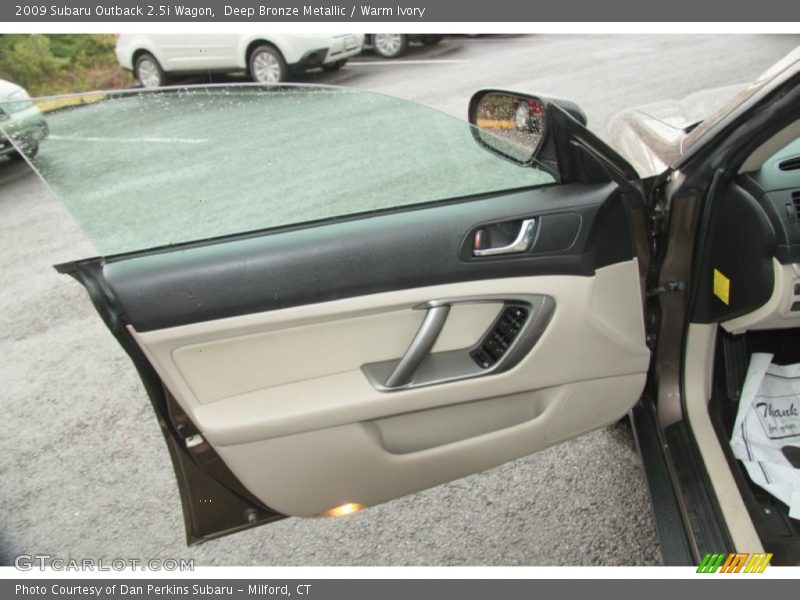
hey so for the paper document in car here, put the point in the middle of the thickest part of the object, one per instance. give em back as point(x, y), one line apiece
point(766, 435)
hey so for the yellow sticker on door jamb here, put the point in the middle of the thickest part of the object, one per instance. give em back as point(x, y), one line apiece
point(722, 287)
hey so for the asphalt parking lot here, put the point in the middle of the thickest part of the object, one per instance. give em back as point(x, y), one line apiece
point(84, 468)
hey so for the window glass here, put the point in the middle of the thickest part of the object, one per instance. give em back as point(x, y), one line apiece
point(144, 169)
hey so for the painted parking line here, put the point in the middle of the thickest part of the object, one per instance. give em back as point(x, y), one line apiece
point(389, 63)
point(122, 140)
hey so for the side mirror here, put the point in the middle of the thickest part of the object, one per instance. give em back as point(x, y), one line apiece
point(516, 126)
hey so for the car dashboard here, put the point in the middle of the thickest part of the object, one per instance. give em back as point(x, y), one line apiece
point(774, 273)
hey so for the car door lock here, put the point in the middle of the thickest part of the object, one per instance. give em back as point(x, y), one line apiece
point(667, 287)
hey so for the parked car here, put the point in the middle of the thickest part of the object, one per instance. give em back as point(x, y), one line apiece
point(21, 121)
point(384, 298)
point(527, 115)
point(393, 45)
point(272, 58)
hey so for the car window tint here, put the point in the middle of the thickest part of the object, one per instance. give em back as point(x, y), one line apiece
point(144, 169)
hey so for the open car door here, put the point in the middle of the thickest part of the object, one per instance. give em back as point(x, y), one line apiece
point(335, 298)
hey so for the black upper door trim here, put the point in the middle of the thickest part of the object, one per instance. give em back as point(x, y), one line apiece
point(373, 254)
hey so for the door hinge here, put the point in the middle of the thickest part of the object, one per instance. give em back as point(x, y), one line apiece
point(669, 286)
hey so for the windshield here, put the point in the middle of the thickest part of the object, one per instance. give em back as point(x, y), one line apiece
point(142, 169)
point(744, 99)
point(15, 101)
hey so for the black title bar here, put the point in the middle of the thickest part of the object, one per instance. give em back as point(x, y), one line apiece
point(409, 11)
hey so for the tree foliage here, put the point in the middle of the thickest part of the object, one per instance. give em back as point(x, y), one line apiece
point(60, 63)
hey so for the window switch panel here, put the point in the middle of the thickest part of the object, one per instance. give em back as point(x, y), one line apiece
point(500, 337)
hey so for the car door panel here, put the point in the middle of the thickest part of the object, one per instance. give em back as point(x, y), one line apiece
point(262, 341)
point(197, 51)
point(365, 254)
point(355, 464)
point(279, 418)
point(295, 369)
point(220, 364)
point(592, 334)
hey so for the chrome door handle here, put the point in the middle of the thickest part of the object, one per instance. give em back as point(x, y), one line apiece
point(520, 244)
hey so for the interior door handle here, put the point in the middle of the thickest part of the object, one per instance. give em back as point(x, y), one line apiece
point(420, 346)
point(421, 367)
point(520, 244)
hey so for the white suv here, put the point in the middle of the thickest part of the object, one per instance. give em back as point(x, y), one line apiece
point(266, 58)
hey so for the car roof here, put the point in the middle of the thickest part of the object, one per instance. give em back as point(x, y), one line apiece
point(7, 88)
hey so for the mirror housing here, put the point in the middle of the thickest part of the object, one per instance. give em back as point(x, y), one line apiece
point(550, 132)
point(510, 125)
point(517, 126)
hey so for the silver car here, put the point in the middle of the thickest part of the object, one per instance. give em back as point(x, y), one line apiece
point(21, 119)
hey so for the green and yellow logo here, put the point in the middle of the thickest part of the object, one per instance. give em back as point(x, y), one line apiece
point(740, 562)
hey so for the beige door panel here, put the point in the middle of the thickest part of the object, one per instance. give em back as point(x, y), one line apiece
point(227, 367)
point(309, 473)
point(596, 331)
point(282, 397)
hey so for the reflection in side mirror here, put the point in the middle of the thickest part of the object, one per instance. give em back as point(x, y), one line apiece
point(511, 125)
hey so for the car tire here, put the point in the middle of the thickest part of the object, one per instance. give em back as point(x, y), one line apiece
point(30, 154)
point(31, 150)
point(267, 65)
point(335, 66)
point(148, 72)
point(430, 40)
point(390, 45)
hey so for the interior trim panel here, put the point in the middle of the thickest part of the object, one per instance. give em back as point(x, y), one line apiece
point(281, 395)
point(280, 372)
point(781, 311)
point(363, 463)
point(362, 359)
point(412, 248)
